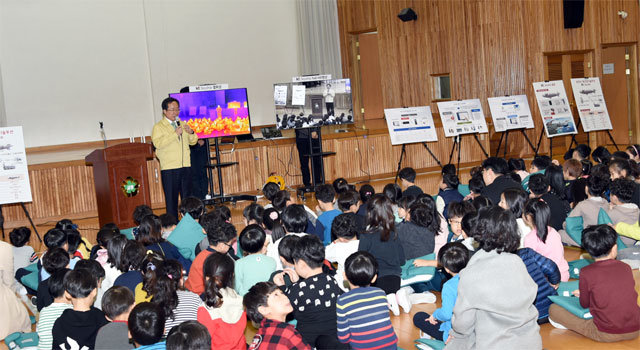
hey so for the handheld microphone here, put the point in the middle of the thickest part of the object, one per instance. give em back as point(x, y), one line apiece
point(178, 124)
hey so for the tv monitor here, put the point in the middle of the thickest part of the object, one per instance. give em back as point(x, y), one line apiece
point(312, 104)
point(216, 113)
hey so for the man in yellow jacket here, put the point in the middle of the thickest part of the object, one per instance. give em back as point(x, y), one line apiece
point(172, 139)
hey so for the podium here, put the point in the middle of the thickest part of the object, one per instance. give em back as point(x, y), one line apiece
point(121, 181)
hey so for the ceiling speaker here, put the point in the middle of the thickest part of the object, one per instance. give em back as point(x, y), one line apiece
point(407, 15)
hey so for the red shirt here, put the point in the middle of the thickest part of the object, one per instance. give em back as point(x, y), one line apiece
point(195, 282)
point(276, 335)
point(607, 288)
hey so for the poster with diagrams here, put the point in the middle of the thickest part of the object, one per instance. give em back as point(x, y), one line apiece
point(591, 106)
point(462, 117)
point(14, 175)
point(510, 112)
point(409, 125)
point(554, 108)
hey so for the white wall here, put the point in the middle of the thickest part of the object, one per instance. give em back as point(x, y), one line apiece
point(65, 64)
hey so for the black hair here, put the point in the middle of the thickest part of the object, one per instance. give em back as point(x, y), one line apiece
point(287, 246)
point(56, 283)
point(19, 236)
point(623, 189)
point(150, 268)
point(325, 193)
point(116, 301)
point(448, 169)
point(140, 212)
point(476, 184)
point(55, 259)
point(586, 166)
point(347, 199)
point(252, 239)
point(393, 192)
point(476, 171)
point(496, 229)
point(583, 151)
point(425, 216)
point(111, 226)
point(189, 335)
point(55, 238)
point(460, 209)
point(93, 267)
point(223, 232)
point(272, 222)
point(163, 284)
point(223, 211)
point(407, 174)
point(516, 164)
point(540, 214)
point(132, 255)
point(406, 202)
point(621, 165)
point(541, 162)
point(361, 268)
point(167, 220)
point(601, 155)
point(340, 185)
point(454, 256)
point(66, 224)
point(309, 248)
point(166, 102)
point(345, 226)
point(451, 181)
point(253, 211)
point(150, 231)
point(515, 199)
point(481, 202)
point(115, 247)
point(294, 218)
point(468, 222)
point(366, 192)
point(555, 177)
point(218, 274)
point(269, 190)
point(79, 284)
point(104, 236)
point(280, 200)
point(514, 176)
point(257, 296)
point(192, 205)
point(498, 165)
point(598, 240)
point(73, 240)
point(633, 149)
point(146, 323)
point(538, 184)
point(380, 216)
point(620, 155)
point(568, 154)
point(597, 183)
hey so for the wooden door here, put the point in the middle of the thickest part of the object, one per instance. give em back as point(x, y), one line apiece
point(616, 91)
point(370, 78)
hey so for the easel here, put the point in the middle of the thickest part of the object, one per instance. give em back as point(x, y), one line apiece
point(505, 135)
point(317, 152)
point(573, 137)
point(26, 213)
point(221, 197)
point(457, 143)
point(404, 152)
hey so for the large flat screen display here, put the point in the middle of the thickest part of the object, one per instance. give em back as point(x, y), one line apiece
point(215, 113)
point(314, 103)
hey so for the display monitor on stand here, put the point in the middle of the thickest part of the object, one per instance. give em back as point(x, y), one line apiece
point(213, 115)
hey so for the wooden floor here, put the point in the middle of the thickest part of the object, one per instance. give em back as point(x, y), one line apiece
point(551, 338)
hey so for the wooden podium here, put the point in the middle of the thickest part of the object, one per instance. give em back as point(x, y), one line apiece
point(121, 181)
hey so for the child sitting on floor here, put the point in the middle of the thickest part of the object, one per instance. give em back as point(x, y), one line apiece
point(51, 313)
point(117, 304)
point(325, 194)
point(607, 288)
point(345, 229)
point(146, 325)
point(621, 209)
point(255, 266)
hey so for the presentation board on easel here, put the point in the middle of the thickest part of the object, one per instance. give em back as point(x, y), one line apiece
point(554, 108)
point(410, 125)
point(14, 174)
point(462, 117)
point(592, 108)
point(510, 112)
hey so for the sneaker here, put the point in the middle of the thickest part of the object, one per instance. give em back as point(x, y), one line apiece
point(425, 335)
point(393, 304)
point(403, 300)
point(408, 289)
point(422, 298)
point(557, 325)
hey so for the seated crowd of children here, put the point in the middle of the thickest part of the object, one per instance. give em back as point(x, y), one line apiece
point(329, 278)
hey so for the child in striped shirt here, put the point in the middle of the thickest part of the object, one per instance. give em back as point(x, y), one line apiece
point(363, 315)
point(49, 314)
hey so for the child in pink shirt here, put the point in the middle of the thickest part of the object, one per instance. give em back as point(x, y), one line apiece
point(543, 238)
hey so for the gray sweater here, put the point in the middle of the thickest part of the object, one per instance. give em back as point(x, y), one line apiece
point(494, 308)
point(416, 240)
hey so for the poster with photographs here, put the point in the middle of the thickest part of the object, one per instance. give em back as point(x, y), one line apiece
point(462, 117)
point(410, 125)
point(554, 108)
point(510, 112)
point(14, 175)
point(591, 106)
